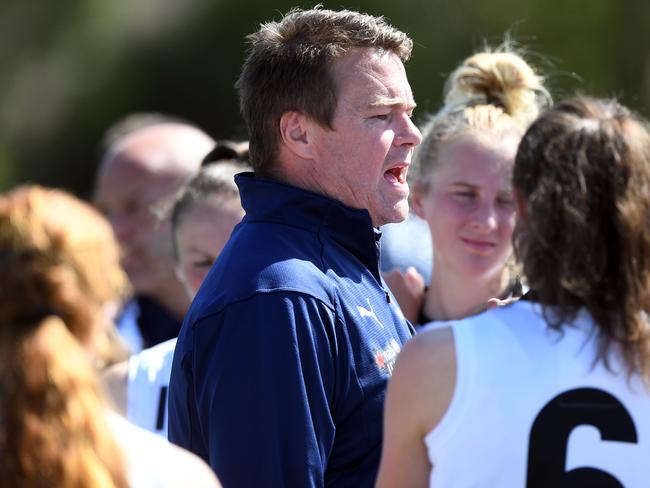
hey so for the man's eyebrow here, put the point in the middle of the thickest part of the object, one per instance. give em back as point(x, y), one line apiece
point(391, 102)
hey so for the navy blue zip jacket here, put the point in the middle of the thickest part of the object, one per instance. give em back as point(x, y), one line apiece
point(280, 371)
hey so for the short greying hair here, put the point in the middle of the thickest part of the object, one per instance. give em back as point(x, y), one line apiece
point(288, 68)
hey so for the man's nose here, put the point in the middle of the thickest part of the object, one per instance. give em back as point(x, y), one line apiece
point(408, 134)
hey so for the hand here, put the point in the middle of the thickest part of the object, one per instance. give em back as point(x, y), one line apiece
point(497, 302)
point(408, 288)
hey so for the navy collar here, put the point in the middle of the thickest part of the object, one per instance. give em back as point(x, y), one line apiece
point(266, 200)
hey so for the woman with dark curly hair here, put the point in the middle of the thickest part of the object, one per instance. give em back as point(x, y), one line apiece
point(532, 394)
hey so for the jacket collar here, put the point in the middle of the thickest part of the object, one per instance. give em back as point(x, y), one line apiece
point(266, 200)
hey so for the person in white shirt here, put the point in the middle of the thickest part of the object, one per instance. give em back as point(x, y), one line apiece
point(552, 390)
point(204, 215)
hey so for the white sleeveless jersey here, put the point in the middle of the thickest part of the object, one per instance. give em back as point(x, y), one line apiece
point(532, 409)
point(148, 383)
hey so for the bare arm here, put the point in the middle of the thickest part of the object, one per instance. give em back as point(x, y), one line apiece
point(418, 396)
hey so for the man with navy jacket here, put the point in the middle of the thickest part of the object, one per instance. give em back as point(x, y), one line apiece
point(281, 366)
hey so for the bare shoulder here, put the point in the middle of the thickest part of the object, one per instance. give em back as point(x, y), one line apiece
point(426, 367)
point(419, 394)
point(115, 380)
point(432, 348)
point(192, 471)
point(154, 461)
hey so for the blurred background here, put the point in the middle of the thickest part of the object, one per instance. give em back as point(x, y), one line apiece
point(70, 68)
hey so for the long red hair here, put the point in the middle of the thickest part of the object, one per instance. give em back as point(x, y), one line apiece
point(58, 272)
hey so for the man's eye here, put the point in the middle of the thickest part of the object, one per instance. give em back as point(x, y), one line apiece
point(465, 195)
point(381, 117)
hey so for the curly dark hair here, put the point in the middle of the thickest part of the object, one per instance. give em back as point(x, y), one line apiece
point(583, 170)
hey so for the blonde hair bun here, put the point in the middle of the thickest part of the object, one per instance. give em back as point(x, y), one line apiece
point(501, 78)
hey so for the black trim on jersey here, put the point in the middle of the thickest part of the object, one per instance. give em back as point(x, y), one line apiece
point(162, 403)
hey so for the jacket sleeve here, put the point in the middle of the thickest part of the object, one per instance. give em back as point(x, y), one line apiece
point(264, 380)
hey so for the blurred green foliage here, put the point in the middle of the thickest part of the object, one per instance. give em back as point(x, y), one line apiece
point(68, 69)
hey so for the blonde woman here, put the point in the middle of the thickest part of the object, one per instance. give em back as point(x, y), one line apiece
point(461, 186)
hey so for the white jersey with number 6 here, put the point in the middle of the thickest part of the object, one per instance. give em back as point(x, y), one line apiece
point(148, 384)
point(532, 409)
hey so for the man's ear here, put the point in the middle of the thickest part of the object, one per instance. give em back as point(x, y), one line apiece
point(295, 129)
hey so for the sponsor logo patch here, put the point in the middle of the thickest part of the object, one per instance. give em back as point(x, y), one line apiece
point(385, 358)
